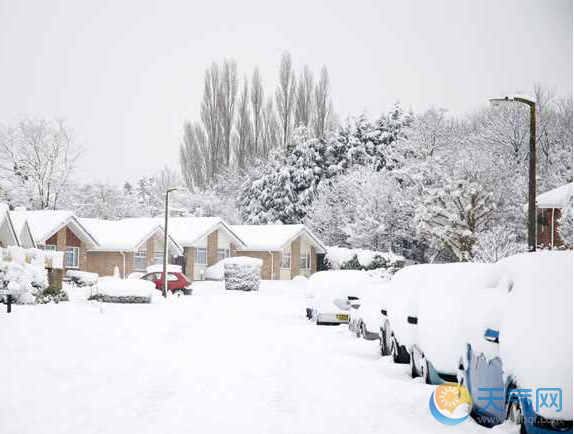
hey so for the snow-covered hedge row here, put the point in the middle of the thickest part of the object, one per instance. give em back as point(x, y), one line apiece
point(114, 290)
point(23, 274)
point(242, 273)
point(341, 258)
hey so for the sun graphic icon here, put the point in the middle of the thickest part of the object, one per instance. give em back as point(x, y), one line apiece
point(449, 396)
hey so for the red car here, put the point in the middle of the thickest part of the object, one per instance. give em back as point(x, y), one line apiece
point(177, 283)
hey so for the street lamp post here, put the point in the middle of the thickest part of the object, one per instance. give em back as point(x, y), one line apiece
point(165, 241)
point(531, 167)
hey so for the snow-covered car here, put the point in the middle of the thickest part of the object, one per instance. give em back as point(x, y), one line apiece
point(365, 316)
point(528, 354)
point(444, 316)
point(330, 293)
point(399, 310)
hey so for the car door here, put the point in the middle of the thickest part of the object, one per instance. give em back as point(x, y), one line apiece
point(172, 282)
point(484, 381)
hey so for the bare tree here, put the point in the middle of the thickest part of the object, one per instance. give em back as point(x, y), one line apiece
point(257, 99)
point(226, 106)
point(304, 98)
point(42, 154)
point(243, 128)
point(195, 156)
point(270, 129)
point(323, 104)
point(285, 96)
point(210, 118)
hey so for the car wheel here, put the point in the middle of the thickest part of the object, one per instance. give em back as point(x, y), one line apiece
point(178, 293)
point(425, 371)
point(399, 353)
point(359, 329)
point(515, 414)
point(364, 331)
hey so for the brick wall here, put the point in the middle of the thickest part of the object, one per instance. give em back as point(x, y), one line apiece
point(104, 263)
point(189, 255)
point(212, 240)
point(66, 238)
point(295, 257)
point(544, 227)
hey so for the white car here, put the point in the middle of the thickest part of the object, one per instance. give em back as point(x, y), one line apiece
point(365, 320)
point(330, 294)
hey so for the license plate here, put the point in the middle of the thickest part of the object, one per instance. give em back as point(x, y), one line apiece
point(343, 317)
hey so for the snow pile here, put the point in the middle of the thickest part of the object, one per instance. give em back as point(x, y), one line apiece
point(114, 290)
point(82, 278)
point(242, 273)
point(24, 274)
point(536, 329)
point(361, 259)
point(300, 282)
point(158, 268)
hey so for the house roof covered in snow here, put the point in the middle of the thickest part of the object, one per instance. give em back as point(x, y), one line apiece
point(8, 234)
point(555, 198)
point(45, 223)
point(275, 237)
point(22, 228)
point(189, 230)
point(125, 235)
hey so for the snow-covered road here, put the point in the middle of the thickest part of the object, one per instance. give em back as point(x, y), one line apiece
point(215, 362)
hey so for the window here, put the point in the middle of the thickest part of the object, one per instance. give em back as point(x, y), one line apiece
point(72, 257)
point(50, 247)
point(172, 277)
point(222, 254)
point(158, 258)
point(305, 261)
point(140, 260)
point(201, 256)
point(286, 260)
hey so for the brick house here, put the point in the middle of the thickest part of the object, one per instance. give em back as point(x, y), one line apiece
point(549, 207)
point(286, 250)
point(131, 245)
point(205, 241)
point(59, 231)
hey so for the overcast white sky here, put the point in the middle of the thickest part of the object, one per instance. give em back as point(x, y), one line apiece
point(126, 74)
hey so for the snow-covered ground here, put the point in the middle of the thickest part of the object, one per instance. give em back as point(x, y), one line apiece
point(215, 362)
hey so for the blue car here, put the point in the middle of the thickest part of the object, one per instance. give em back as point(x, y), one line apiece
point(514, 367)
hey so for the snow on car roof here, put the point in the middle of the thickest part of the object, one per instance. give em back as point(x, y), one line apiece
point(274, 237)
point(555, 198)
point(125, 234)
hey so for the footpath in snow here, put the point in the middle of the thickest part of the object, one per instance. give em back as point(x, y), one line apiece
point(215, 362)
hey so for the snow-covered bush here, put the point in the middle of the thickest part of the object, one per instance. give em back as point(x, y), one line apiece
point(565, 223)
point(242, 273)
point(24, 274)
point(215, 272)
point(341, 258)
point(114, 290)
point(495, 244)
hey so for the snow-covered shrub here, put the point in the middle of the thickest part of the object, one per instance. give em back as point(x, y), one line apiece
point(341, 258)
point(242, 273)
point(565, 223)
point(24, 274)
point(114, 290)
point(495, 244)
